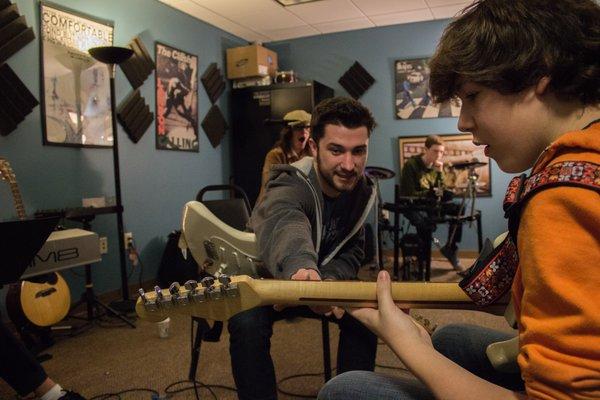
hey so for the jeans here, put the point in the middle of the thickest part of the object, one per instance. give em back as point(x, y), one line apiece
point(250, 345)
point(18, 367)
point(461, 343)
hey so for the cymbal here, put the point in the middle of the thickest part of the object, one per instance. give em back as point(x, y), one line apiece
point(379, 172)
point(475, 163)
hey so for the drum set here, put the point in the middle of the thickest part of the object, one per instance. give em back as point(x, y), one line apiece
point(464, 182)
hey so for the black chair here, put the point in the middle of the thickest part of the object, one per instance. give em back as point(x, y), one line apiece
point(235, 212)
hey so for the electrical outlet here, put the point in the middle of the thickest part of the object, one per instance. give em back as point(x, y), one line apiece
point(128, 239)
point(103, 245)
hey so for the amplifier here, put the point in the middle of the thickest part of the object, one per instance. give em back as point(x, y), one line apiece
point(65, 249)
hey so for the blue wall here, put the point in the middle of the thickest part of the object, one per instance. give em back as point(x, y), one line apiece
point(155, 184)
point(325, 58)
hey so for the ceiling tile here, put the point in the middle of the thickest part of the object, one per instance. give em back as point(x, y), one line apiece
point(443, 3)
point(376, 7)
point(215, 19)
point(279, 19)
point(236, 7)
point(345, 25)
point(402, 17)
point(326, 11)
point(447, 11)
point(291, 33)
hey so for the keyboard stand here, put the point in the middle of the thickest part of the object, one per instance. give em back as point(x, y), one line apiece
point(89, 296)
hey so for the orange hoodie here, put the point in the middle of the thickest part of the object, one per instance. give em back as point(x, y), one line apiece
point(556, 290)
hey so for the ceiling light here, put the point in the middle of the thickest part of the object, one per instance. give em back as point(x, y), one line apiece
point(287, 3)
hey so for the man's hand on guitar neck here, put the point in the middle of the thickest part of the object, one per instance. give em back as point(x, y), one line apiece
point(309, 274)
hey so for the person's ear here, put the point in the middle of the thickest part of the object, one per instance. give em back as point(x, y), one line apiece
point(313, 147)
point(542, 85)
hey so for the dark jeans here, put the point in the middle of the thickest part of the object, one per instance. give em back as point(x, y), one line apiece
point(461, 343)
point(18, 367)
point(250, 345)
point(426, 225)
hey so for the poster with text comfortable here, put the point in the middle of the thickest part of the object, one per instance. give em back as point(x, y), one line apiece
point(76, 106)
point(413, 98)
point(176, 99)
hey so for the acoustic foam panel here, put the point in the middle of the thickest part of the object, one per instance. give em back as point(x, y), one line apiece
point(16, 101)
point(213, 82)
point(214, 125)
point(134, 116)
point(14, 32)
point(140, 65)
point(356, 80)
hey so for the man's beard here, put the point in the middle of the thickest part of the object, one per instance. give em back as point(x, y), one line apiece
point(329, 179)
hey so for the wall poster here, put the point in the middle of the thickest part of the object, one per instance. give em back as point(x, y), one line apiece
point(413, 98)
point(76, 106)
point(458, 149)
point(176, 99)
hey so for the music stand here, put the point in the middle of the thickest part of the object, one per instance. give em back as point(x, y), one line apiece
point(20, 241)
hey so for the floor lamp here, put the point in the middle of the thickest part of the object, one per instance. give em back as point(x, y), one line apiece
point(112, 56)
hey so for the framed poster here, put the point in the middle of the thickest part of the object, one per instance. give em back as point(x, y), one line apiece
point(413, 98)
point(176, 99)
point(458, 148)
point(76, 88)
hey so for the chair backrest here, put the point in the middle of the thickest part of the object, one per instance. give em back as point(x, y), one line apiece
point(234, 211)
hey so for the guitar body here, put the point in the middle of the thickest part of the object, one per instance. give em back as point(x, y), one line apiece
point(41, 303)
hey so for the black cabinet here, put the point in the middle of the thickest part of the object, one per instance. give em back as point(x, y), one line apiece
point(254, 115)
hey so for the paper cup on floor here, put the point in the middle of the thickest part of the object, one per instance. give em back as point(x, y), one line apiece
point(163, 328)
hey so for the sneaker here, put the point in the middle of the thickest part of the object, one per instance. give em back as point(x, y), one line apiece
point(71, 396)
point(452, 257)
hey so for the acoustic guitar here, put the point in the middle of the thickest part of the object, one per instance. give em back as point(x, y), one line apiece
point(43, 300)
point(223, 252)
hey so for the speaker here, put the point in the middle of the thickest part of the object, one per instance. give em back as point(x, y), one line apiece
point(16, 101)
point(214, 125)
point(134, 116)
point(14, 32)
point(213, 82)
point(356, 80)
point(140, 65)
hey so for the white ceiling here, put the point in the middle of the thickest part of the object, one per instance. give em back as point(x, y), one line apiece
point(267, 20)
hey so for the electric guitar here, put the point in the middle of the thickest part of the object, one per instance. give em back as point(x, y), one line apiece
point(230, 255)
point(43, 301)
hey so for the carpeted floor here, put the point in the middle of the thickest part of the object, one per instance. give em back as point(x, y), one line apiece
point(110, 358)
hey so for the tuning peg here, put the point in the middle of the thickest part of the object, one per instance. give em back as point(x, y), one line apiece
point(149, 305)
point(191, 285)
point(208, 281)
point(174, 288)
point(195, 293)
point(163, 300)
point(224, 279)
point(158, 292)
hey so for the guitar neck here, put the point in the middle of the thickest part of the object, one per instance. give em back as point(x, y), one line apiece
point(7, 174)
point(430, 295)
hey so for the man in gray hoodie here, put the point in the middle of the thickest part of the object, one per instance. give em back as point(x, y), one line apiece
point(309, 226)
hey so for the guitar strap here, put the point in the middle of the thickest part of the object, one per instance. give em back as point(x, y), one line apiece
point(491, 275)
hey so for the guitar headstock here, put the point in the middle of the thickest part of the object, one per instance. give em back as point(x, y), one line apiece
point(210, 299)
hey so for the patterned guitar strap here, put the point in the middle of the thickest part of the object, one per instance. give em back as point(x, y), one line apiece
point(492, 274)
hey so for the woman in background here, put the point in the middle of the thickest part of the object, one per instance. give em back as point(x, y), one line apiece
point(291, 146)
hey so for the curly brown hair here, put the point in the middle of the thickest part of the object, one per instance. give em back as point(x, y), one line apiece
point(508, 45)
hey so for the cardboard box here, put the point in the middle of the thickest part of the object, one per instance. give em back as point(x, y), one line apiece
point(249, 61)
